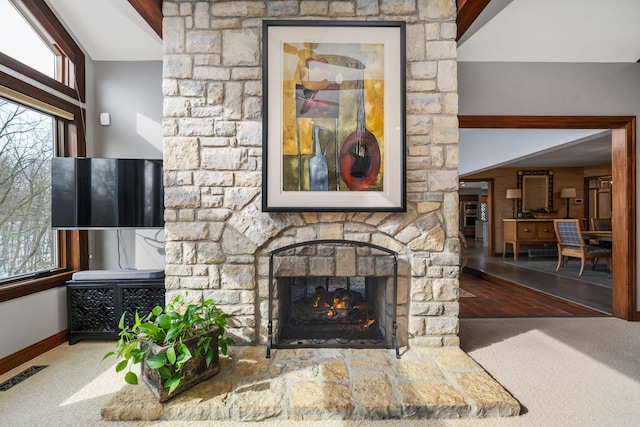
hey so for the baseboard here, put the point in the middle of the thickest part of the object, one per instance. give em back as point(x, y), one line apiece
point(26, 354)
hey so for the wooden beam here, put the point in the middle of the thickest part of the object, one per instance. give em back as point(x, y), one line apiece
point(468, 12)
point(151, 12)
point(544, 122)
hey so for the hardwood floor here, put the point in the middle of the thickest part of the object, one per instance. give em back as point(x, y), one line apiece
point(517, 288)
point(482, 299)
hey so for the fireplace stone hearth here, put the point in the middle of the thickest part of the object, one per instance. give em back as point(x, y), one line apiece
point(328, 384)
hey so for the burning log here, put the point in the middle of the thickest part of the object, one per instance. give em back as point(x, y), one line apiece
point(322, 297)
point(343, 298)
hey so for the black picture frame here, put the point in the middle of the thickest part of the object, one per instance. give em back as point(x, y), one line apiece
point(334, 116)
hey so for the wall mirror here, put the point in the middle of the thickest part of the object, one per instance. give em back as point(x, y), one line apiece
point(537, 190)
point(599, 197)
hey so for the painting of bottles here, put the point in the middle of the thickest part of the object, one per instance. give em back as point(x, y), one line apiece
point(333, 127)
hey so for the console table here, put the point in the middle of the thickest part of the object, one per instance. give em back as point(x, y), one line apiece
point(96, 300)
point(526, 231)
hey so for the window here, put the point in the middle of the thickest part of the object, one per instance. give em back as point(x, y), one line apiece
point(27, 243)
point(31, 50)
point(35, 125)
point(47, 37)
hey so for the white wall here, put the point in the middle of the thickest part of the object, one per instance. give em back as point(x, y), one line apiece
point(131, 92)
point(30, 319)
point(550, 89)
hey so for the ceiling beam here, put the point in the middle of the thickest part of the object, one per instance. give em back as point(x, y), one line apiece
point(151, 12)
point(468, 11)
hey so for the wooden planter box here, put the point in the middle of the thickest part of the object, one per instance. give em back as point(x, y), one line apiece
point(195, 370)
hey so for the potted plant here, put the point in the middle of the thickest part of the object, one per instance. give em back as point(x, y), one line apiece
point(179, 346)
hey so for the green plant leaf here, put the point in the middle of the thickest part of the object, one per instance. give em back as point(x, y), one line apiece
point(131, 378)
point(204, 343)
point(121, 365)
point(156, 361)
point(164, 321)
point(148, 329)
point(111, 353)
point(174, 315)
point(185, 355)
point(223, 343)
point(121, 322)
point(164, 372)
point(173, 332)
point(138, 355)
point(171, 355)
point(184, 350)
point(172, 383)
point(209, 357)
point(156, 311)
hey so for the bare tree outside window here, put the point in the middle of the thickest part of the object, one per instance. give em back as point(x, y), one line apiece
point(27, 243)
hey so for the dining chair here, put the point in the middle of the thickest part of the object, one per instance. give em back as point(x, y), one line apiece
point(572, 244)
point(601, 224)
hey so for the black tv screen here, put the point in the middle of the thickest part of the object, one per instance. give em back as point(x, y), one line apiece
point(97, 193)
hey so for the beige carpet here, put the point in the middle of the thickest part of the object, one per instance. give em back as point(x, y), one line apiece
point(564, 371)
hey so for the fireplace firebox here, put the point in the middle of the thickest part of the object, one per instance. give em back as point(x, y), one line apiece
point(332, 293)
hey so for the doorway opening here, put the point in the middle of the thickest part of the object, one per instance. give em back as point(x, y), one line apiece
point(623, 196)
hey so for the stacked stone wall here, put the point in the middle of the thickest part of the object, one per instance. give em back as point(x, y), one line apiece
point(217, 235)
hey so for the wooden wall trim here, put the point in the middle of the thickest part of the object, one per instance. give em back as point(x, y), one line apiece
point(468, 12)
point(151, 12)
point(623, 148)
point(544, 122)
point(624, 202)
point(18, 358)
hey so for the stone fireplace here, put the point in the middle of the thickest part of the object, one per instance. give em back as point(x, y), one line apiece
point(332, 293)
point(218, 239)
point(313, 279)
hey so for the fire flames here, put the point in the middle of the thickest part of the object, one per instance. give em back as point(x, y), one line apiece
point(342, 303)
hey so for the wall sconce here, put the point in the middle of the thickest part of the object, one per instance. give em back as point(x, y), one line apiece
point(567, 193)
point(514, 193)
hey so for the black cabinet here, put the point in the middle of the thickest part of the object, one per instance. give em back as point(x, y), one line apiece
point(95, 306)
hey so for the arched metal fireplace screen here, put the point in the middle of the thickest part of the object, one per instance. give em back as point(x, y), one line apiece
point(332, 293)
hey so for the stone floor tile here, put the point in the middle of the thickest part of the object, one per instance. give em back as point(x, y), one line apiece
point(295, 354)
point(251, 367)
point(487, 395)
point(374, 397)
point(369, 363)
point(420, 371)
point(432, 401)
point(319, 401)
point(257, 401)
point(335, 370)
point(297, 371)
point(132, 403)
point(452, 359)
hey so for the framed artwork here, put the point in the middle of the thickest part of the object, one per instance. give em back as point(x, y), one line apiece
point(333, 116)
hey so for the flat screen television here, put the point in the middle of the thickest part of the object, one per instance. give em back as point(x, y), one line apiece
point(98, 193)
